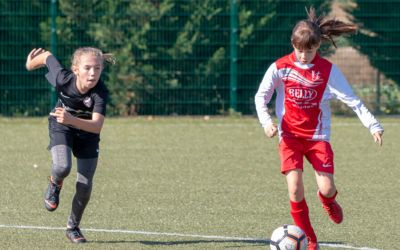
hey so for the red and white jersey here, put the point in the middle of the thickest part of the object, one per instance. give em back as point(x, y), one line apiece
point(303, 94)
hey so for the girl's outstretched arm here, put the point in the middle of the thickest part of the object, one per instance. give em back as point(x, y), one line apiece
point(37, 59)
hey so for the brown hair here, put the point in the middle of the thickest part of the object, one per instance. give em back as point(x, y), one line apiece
point(93, 51)
point(310, 32)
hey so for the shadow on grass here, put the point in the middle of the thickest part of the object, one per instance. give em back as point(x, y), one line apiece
point(247, 243)
point(187, 242)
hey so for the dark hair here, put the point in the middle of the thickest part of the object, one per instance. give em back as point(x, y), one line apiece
point(310, 32)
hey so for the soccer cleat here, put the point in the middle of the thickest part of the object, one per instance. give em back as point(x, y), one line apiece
point(312, 245)
point(75, 235)
point(332, 208)
point(52, 196)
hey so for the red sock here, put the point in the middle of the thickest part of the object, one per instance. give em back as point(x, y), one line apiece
point(299, 212)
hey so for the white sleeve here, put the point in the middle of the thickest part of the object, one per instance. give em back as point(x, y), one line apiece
point(341, 90)
point(264, 94)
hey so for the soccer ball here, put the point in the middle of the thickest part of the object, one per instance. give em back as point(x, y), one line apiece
point(288, 237)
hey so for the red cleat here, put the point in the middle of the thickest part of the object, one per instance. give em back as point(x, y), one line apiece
point(332, 208)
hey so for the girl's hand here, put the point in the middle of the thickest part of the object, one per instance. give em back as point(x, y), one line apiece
point(271, 130)
point(62, 116)
point(36, 59)
point(378, 137)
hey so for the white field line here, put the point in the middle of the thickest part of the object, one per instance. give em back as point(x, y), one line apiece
point(233, 238)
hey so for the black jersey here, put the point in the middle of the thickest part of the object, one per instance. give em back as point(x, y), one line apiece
point(77, 104)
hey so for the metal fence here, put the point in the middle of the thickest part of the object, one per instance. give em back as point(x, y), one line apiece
point(186, 57)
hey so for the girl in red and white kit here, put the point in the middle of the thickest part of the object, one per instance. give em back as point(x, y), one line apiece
point(304, 83)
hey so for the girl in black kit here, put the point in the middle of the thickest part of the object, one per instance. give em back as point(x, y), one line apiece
point(74, 125)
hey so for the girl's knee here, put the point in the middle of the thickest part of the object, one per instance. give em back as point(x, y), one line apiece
point(61, 170)
point(328, 190)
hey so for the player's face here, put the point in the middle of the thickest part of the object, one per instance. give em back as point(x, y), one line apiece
point(305, 56)
point(88, 72)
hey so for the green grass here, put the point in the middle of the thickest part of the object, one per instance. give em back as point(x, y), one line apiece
point(190, 176)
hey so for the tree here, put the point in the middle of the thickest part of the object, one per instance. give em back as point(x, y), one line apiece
point(168, 52)
point(173, 56)
point(379, 35)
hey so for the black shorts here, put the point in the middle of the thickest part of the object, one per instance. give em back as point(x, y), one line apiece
point(84, 145)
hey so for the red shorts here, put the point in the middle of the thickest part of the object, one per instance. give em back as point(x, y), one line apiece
point(292, 151)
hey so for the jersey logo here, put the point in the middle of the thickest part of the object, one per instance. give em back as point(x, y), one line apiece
point(315, 76)
point(302, 94)
point(87, 101)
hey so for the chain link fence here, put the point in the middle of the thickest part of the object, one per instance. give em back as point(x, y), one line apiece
point(178, 57)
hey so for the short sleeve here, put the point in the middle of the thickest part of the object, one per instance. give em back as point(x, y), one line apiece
point(57, 75)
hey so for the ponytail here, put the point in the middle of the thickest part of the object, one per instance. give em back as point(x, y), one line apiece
point(109, 58)
point(310, 32)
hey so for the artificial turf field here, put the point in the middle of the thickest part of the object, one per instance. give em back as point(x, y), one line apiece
point(190, 183)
